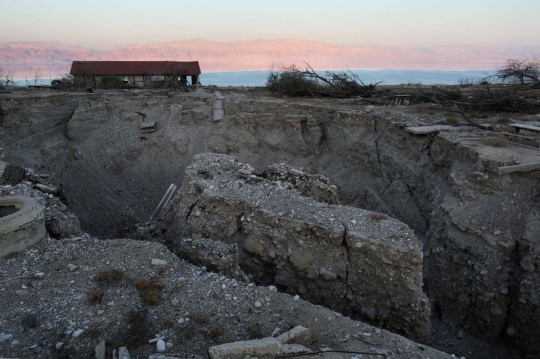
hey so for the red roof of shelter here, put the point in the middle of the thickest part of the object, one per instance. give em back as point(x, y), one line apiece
point(188, 68)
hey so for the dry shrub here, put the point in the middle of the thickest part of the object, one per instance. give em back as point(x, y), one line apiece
point(109, 276)
point(152, 297)
point(378, 217)
point(161, 271)
point(215, 333)
point(254, 331)
point(60, 267)
point(199, 319)
point(496, 141)
point(150, 291)
point(96, 295)
point(29, 321)
point(142, 284)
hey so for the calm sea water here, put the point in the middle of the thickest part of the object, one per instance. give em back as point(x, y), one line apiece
point(48, 71)
point(390, 77)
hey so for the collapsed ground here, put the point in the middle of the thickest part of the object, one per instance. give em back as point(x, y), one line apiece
point(480, 266)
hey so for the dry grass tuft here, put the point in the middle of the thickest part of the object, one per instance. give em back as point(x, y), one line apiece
point(161, 271)
point(150, 291)
point(96, 295)
point(497, 141)
point(451, 120)
point(254, 331)
point(199, 319)
point(152, 297)
point(503, 120)
point(110, 276)
point(142, 284)
point(375, 217)
point(215, 333)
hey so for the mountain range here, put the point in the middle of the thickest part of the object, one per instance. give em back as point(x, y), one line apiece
point(262, 54)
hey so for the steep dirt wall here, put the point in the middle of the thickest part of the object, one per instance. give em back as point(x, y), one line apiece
point(481, 229)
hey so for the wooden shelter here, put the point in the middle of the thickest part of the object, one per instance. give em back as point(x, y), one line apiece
point(137, 73)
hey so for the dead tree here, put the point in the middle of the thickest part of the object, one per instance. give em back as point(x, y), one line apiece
point(521, 71)
point(292, 81)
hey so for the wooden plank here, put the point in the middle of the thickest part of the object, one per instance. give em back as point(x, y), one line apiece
point(528, 167)
point(424, 130)
point(516, 135)
point(525, 127)
point(13, 175)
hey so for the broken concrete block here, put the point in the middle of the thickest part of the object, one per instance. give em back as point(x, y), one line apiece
point(297, 335)
point(259, 348)
point(100, 350)
point(334, 255)
point(294, 349)
point(47, 189)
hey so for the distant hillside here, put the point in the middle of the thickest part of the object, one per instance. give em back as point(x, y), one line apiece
point(261, 54)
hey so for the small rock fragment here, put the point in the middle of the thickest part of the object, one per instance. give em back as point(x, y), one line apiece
point(158, 262)
point(77, 333)
point(100, 350)
point(160, 345)
point(59, 346)
point(175, 302)
point(123, 353)
point(100, 312)
point(72, 267)
point(258, 304)
point(296, 297)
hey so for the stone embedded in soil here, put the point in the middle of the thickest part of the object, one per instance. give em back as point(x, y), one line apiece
point(158, 262)
point(160, 346)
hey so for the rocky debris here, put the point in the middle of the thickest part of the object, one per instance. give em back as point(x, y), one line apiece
point(21, 224)
point(213, 308)
point(316, 186)
point(304, 246)
point(59, 222)
point(258, 348)
point(214, 255)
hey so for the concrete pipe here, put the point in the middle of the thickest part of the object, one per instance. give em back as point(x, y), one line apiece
point(22, 224)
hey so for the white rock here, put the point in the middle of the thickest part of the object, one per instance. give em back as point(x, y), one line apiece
point(5, 337)
point(296, 297)
point(72, 267)
point(123, 353)
point(159, 262)
point(160, 345)
point(175, 302)
point(181, 320)
point(273, 288)
point(59, 346)
point(276, 331)
point(77, 333)
point(258, 304)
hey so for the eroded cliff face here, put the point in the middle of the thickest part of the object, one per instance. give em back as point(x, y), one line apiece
point(480, 228)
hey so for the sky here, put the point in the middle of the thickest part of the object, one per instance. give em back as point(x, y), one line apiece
point(104, 24)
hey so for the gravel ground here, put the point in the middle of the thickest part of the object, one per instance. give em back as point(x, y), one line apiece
point(50, 308)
